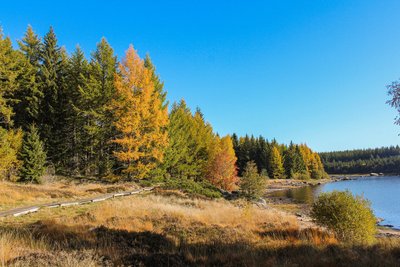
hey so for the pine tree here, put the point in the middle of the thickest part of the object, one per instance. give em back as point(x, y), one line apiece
point(204, 139)
point(140, 119)
point(275, 163)
point(158, 84)
point(252, 184)
point(78, 74)
point(243, 153)
point(179, 156)
point(26, 99)
point(33, 157)
point(30, 46)
point(97, 92)
point(262, 155)
point(52, 107)
point(293, 162)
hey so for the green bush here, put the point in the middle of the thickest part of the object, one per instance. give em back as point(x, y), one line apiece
point(252, 184)
point(192, 187)
point(349, 217)
point(301, 176)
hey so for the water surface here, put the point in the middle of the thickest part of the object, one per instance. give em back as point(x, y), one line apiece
point(382, 191)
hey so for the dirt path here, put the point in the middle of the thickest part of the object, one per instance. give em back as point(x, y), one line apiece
point(30, 209)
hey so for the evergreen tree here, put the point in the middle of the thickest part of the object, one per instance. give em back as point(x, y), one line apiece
point(52, 83)
point(77, 76)
point(293, 161)
point(252, 184)
point(28, 95)
point(179, 159)
point(158, 84)
point(30, 45)
point(97, 92)
point(33, 157)
point(263, 152)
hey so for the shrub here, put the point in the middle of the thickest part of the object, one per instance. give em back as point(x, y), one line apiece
point(252, 183)
point(301, 176)
point(204, 188)
point(349, 217)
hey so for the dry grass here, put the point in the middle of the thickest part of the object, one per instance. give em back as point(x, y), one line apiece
point(170, 229)
point(14, 195)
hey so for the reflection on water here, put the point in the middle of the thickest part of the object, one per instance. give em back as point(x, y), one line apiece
point(305, 194)
point(383, 192)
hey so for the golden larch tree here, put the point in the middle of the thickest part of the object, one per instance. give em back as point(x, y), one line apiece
point(140, 118)
point(222, 170)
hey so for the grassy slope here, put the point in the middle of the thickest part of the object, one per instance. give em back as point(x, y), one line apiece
point(169, 228)
point(14, 195)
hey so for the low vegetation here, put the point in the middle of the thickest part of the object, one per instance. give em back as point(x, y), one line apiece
point(252, 184)
point(349, 217)
point(169, 228)
point(13, 195)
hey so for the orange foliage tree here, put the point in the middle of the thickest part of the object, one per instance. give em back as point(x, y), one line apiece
point(221, 170)
point(140, 118)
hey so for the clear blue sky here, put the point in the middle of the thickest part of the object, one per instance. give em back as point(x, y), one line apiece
point(307, 71)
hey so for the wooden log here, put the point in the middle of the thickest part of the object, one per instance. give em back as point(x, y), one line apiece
point(25, 211)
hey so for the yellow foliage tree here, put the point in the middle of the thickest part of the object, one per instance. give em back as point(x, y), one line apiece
point(313, 162)
point(10, 144)
point(276, 164)
point(140, 118)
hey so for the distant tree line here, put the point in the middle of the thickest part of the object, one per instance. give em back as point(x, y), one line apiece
point(278, 161)
point(359, 161)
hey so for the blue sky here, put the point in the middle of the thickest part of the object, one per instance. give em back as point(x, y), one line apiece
point(307, 71)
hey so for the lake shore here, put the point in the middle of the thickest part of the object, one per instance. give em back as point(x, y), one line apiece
point(302, 210)
point(284, 184)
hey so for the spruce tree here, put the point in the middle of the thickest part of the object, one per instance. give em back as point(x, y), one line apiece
point(97, 92)
point(51, 117)
point(76, 79)
point(30, 45)
point(158, 84)
point(28, 95)
point(252, 184)
point(179, 156)
point(191, 141)
point(33, 157)
point(293, 162)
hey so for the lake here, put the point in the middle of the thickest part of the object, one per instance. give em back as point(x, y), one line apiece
point(382, 191)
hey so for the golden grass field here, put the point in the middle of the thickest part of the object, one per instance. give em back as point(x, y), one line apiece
point(169, 228)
